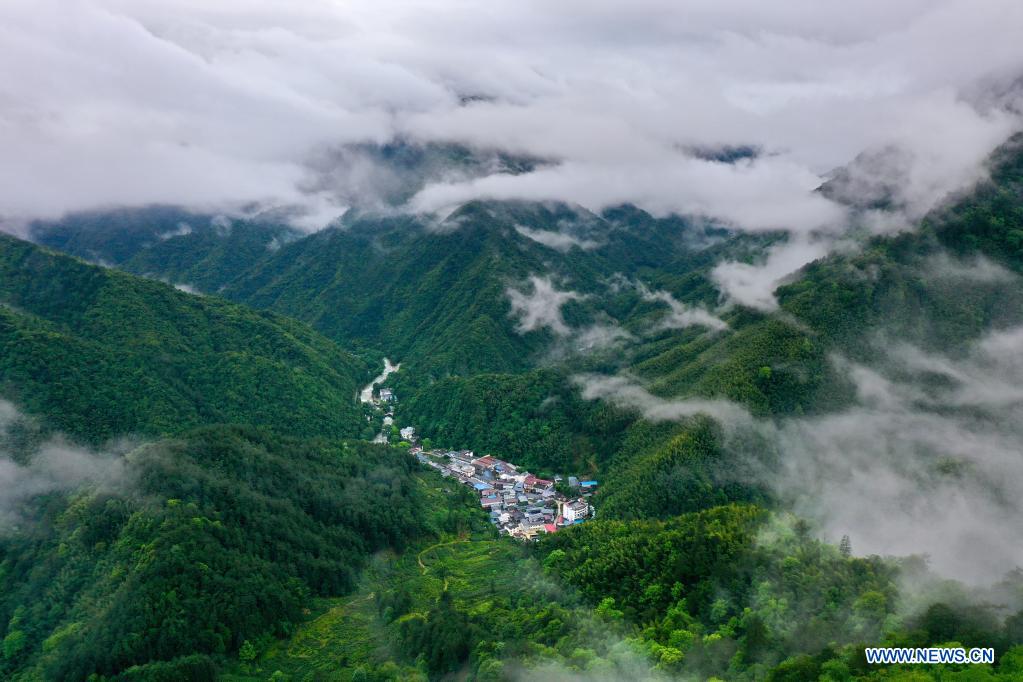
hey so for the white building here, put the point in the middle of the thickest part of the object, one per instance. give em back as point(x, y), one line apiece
point(575, 510)
point(408, 433)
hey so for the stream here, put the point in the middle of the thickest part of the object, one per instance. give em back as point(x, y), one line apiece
point(366, 395)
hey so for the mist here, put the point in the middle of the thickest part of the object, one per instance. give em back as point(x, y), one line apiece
point(928, 461)
point(31, 466)
point(541, 307)
point(238, 104)
point(680, 315)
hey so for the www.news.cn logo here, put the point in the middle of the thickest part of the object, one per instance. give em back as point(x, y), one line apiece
point(931, 655)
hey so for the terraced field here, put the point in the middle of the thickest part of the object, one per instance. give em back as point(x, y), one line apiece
point(345, 636)
point(464, 584)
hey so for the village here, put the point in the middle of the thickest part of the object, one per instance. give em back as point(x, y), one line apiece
point(520, 504)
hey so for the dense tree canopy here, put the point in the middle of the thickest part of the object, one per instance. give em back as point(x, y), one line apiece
point(101, 354)
point(219, 537)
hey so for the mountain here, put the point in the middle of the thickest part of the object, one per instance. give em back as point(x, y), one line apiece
point(939, 288)
point(206, 251)
point(205, 542)
point(438, 295)
point(883, 385)
point(101, 353)
point(371, 176)
point(197, 251)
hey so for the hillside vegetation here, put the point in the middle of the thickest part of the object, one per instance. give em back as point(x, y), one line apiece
point(280, 552)
point(200, 251)
point(101, 353)
point(213, 539)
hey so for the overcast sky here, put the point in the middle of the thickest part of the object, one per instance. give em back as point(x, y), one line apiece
point(218, 103)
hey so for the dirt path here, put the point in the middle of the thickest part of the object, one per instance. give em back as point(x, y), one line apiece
point(419, 557)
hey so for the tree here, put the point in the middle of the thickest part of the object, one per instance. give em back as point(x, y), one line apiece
point(550, 564)
point(13, 643)
point(247, 653)
point(607, 611)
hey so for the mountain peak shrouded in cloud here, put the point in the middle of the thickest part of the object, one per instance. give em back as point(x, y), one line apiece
point(218, 107)
point(701, 325)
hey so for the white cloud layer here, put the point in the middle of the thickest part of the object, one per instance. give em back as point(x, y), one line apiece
point(223, 104)
point(540, 307)
point(929, 461)
point(55, 466)
point(753, 285)
point(680, 315)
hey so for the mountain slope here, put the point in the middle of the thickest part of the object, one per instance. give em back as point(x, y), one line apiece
point(210, 540)
point(201, 251)
point(939, 288)
point(689, 578)
point(436, 296)
point(101, 353)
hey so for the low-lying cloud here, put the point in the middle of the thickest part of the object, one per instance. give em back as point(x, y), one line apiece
point(680, 315)
point(237, 104)
point(538, 305)
point(753, 284)
point(53, 466)
point(559, 241)
point(929, 461)
point(629, 394)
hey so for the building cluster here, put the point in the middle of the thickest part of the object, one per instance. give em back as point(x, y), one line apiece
point(519, 503)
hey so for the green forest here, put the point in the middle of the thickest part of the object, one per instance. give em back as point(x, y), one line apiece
point(250, 532)
point(103, 354)
point(218, 537)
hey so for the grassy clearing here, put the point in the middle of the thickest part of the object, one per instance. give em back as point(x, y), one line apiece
point(349, 634)
point(344, 635)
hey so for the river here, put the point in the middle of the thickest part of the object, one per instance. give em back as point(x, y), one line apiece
point(366, 395)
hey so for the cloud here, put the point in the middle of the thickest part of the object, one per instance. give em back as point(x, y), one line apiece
point(182, 230)
point(753, 285)
point(559, 241)
point(53, 466)
point(928, 461)
point(928, 464)
point(542, 307)
point(627, 393)
point(234, 104)
point(978, 269)
point(680, 315)
point(756, 196)
point(599, 336)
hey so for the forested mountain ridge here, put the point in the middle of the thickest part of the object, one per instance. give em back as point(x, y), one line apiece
point(437, 295)
point(692, 566)
point(912, 288)
point(374, 341)
point(206, 251)
point(207, 541)
point(196, 250)
point(100, 353)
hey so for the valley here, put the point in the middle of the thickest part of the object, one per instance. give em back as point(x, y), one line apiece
point(518, 503)
point(366, 395)
point(381, 341)
point(589, 463)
